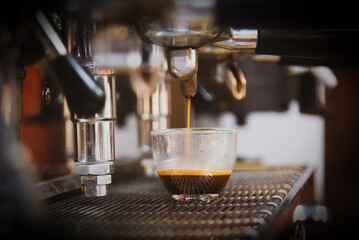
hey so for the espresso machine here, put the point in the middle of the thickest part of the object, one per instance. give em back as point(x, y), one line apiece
point(72, 71)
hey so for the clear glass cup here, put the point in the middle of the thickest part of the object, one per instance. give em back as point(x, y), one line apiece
point(195, 164)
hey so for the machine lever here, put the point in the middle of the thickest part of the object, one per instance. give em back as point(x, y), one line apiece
point(84, 95)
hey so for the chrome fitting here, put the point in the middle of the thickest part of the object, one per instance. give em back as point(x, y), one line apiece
point(83, 169)
point(94, 190)
point(96, 180)
point(94, 146)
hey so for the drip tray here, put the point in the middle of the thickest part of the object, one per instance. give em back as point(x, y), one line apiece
point(249, 206)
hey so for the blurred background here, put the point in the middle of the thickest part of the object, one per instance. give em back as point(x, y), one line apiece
point(82, 84)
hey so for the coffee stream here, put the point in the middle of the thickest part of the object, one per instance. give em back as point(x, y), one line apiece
point(188, 139)
point(188, 113)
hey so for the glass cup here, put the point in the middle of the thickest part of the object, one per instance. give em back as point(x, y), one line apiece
point(195, 164)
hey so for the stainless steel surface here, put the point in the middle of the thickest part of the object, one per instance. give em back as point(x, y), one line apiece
point(95, 141)
point(108, 81)
point(140, 208)
point(241, 39)
point(187, 24)
point(182, 29)
point(183, 66)
point(94, 145)
point(102, 179)
point(236, 81)
point(94, 168)
point(220, 70)
point(94, 190)
point(147, 68)
point(57, 186)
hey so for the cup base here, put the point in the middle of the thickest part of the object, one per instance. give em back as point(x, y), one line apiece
point(202, 197)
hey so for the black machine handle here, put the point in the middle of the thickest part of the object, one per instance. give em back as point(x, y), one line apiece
point(84, 96)
point(323, 32)
point(284, 14)
point(309, 43)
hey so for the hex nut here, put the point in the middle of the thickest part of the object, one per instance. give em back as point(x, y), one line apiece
point(95, 168)
point(94, 190)
point(96, 180)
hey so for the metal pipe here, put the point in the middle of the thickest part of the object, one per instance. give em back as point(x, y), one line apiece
point(94, 145)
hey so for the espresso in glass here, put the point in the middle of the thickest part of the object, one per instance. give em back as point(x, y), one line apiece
point(195, 163)
point(194, 182)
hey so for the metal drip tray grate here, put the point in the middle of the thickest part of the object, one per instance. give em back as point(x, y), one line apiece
point(142, 209)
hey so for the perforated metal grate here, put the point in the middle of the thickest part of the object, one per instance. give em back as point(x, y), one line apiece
point(142, 209)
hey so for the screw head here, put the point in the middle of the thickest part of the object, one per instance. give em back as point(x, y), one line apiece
point(46, 96)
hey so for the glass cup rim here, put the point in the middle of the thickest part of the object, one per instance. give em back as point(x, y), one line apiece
point(193, 131)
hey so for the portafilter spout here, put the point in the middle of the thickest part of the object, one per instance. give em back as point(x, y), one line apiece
point(183, 66)
point(181, 30)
